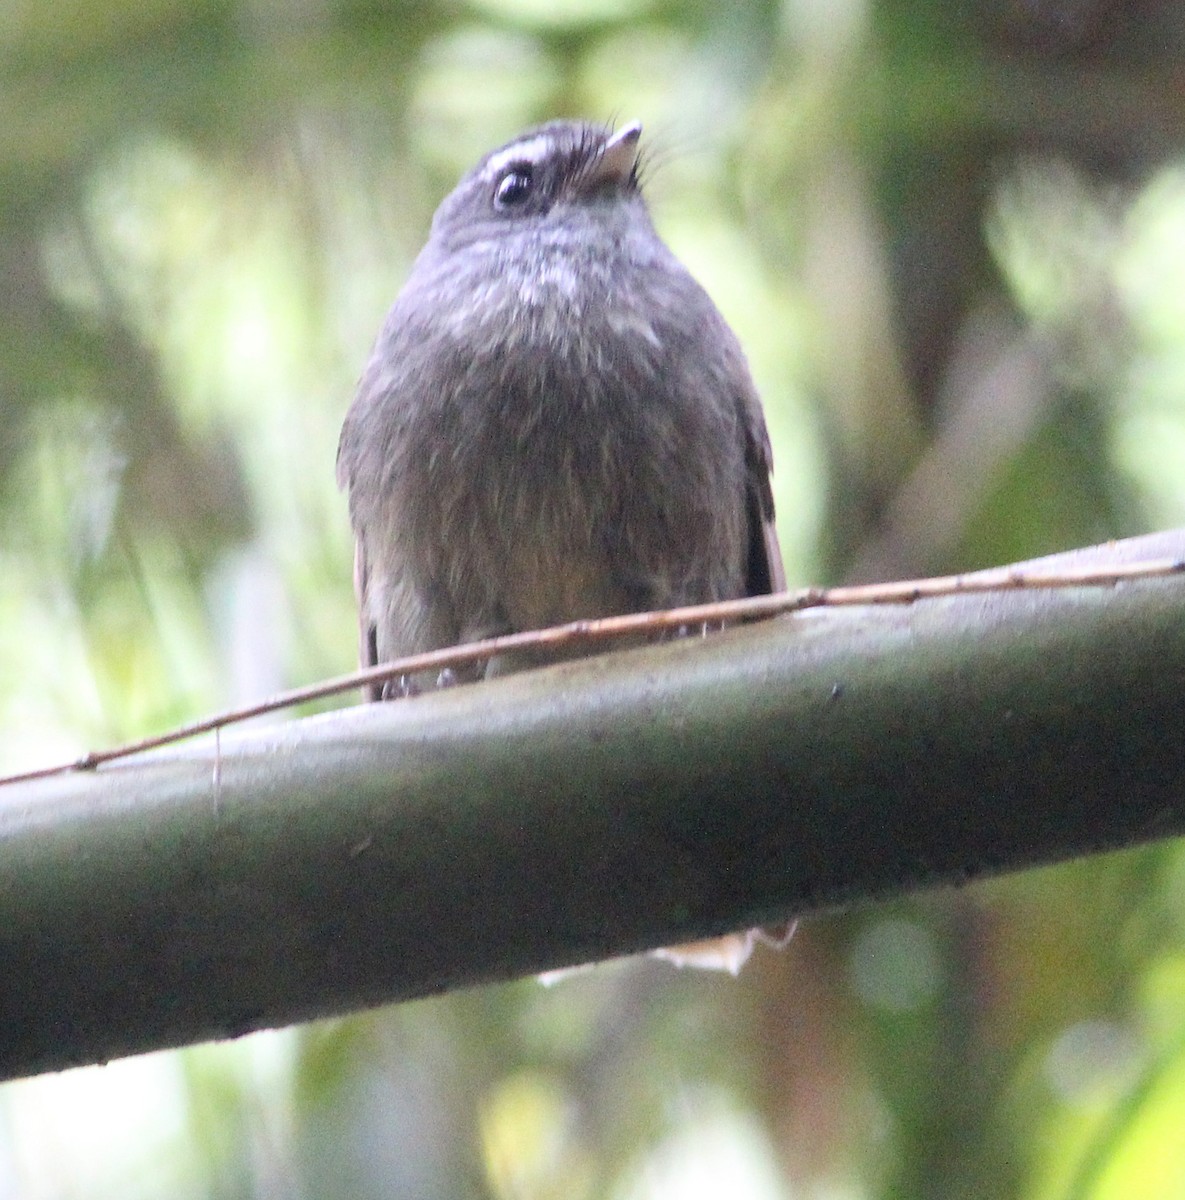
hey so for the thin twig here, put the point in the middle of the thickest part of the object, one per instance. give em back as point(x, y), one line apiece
point(606, 628)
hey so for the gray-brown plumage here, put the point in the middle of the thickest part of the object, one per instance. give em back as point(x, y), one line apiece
point(555, 422)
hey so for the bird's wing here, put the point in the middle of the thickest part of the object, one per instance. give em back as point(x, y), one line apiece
point(766, 572)
point(368, 653)
point(368, 649)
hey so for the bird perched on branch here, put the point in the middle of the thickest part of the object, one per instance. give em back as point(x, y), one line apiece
point(556, 422)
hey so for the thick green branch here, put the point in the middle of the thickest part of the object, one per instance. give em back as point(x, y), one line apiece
point(586, 810)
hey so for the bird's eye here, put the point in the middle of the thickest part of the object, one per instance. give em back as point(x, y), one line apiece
point(514, 187)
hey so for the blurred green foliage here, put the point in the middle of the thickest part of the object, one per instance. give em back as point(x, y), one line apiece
point(952, 239)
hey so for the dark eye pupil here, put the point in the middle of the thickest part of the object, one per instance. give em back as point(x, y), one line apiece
point(513, 188)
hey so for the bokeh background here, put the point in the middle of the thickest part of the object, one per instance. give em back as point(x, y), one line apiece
point(951, 237)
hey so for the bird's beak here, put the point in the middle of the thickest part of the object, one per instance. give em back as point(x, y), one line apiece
point(617, 159)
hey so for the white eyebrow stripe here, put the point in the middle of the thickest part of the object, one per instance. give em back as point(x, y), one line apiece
point(531, 151)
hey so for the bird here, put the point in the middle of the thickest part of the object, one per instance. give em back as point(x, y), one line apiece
point(555, 422)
